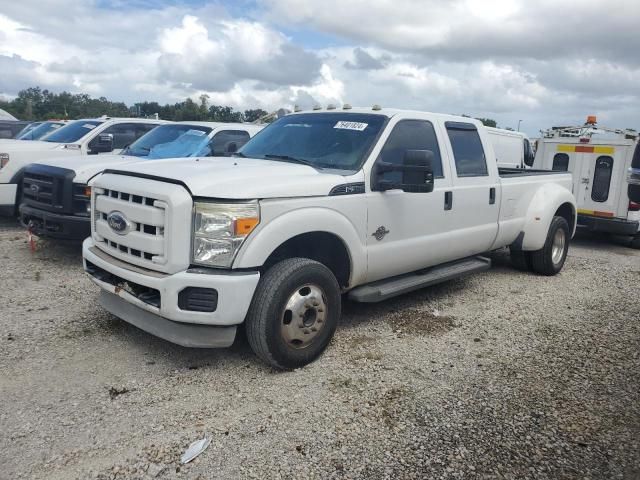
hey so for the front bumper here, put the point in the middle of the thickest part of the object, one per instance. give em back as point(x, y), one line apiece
point(55, 225)
point(126, 295)
point(616, 226)
point(8, 198)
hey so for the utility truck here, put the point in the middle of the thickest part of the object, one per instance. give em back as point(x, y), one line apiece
point(81, 137)
point(599, 160)
point(370, 203)
point(55, 198)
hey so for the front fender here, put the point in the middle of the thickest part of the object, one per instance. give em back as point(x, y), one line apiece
point(266, 238)
point(543, 207)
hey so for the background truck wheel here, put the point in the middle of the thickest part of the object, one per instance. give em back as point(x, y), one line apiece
point(550, 259)
point(294, 313)
point(635, 242)
point(521, 260)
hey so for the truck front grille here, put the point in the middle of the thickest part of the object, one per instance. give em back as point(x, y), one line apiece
point(144, 238)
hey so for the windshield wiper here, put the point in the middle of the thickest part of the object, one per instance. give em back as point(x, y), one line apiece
point(287, 158)
point(238, 154)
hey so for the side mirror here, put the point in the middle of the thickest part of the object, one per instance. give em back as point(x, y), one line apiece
point(529, 155)
point(416, 173)
point(103, 143)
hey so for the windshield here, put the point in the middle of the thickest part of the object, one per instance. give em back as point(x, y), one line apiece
point(172, 141)
point(323, 140)
point(25, 132)
point(40, 131)
point(73, 131)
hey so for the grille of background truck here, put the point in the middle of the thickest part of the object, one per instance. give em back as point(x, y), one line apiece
point(145, 238)
point(42, 189)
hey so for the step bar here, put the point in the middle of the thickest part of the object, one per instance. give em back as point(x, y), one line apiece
point(391, 287)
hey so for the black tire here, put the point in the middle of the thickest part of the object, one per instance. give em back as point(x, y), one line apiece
point(635, 242)
point(521, 260)
point(542, 260)
point(266, 320)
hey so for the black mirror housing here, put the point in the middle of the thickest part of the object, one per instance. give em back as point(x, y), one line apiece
point(416, 169)
point(103, 144)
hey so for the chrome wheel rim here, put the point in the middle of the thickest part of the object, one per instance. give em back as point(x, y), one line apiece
point(304, 316)
point(557, 249)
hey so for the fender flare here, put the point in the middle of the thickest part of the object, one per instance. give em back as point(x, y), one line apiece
point(264, 240)
point(544, 204)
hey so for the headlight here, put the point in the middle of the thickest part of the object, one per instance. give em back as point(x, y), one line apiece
point(219, 229)
point(4, 159)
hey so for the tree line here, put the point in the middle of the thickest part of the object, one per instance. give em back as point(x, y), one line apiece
point(36, 104)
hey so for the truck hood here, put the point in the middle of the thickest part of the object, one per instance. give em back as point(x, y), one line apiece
point(242, 178)
point(30, 146)
point(87, 166)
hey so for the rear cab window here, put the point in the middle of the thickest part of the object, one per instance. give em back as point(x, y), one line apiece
point(468, 152)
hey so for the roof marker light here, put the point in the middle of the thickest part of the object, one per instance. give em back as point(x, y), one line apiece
point(346, 106)
point(376, 107)
point(331, 106)
point(317, 107)
point(296, 108)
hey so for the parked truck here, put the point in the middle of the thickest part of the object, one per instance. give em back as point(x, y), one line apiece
point(370, 203)
point(81, 137)
point(55, 198)
point(598, 159)
point(512, 149)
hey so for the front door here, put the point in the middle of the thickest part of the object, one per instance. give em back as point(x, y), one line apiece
point(408, 231)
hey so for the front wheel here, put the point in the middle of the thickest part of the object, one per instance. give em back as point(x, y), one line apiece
point(294, 313)
point(550, 259)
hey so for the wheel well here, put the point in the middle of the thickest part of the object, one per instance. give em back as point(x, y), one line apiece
point(566, 211)
point(322, 247)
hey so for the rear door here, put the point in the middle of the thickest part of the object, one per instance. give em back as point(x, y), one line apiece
point(599, 174)
point(474, 197)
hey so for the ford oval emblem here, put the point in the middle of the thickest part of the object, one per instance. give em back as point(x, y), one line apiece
point(118, 222)
point(34, 188)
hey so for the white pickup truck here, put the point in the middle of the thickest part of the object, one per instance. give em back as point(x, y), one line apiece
point(81, 137)
point(368, 202)
point(54, 198)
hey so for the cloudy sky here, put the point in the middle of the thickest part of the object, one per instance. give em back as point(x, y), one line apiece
point(543, 62)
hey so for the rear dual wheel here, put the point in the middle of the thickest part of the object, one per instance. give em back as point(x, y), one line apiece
point(550, 259)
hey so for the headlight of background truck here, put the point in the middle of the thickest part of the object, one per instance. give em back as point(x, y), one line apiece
point(219, 229)
point(4, 159)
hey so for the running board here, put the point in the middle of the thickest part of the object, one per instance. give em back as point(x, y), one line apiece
point(390, 287)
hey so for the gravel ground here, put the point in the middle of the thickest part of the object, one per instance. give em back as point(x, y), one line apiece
point(501, 375)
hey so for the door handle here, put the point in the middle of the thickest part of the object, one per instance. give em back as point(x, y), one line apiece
point(448, 200)
point(492, 195)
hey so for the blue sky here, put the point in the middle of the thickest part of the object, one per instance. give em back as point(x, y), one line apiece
point(505, 59)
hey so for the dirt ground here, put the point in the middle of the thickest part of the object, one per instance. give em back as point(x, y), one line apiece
point(503, 375)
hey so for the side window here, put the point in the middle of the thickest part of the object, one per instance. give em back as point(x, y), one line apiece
point(560, 162)
point(227, 141)
point(468, 152)
point(602, 179)
point(125, 133)
point(142, 128)
point(410, 135)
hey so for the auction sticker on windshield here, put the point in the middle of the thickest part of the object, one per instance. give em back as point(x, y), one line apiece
point(351, 125)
